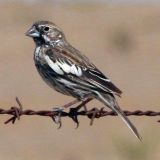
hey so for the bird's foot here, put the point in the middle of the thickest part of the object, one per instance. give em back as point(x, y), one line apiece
point(73, 113)
point(95, 113)
point(57, 117)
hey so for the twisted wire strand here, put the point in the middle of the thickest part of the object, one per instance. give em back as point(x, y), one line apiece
point(17, 112)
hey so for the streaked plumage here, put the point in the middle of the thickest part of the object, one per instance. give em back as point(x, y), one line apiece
point(68, 71)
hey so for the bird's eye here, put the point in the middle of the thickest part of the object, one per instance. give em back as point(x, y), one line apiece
point(46, 29)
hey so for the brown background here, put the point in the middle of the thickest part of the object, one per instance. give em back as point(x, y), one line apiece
point(122, 40)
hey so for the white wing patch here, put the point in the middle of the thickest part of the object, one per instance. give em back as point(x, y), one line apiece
point(61, 67)
point(53, 65)
point(76, 70)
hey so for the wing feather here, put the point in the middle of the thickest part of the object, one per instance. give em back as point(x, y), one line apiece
point(102, 81)
point(79, 72)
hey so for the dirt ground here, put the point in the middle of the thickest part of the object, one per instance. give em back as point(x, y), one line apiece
point(122, 40)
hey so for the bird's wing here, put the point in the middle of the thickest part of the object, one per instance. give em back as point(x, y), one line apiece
point(100, 80)
point(79, 73)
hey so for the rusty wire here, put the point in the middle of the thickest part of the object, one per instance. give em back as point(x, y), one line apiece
point(17, 112)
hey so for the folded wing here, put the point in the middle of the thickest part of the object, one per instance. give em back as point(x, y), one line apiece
point(82, 75)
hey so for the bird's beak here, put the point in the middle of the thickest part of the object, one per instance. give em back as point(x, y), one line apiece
point(32, 32)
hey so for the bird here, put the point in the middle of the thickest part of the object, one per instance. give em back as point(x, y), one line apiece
point(68, 71)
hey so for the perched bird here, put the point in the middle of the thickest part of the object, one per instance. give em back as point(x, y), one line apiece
point(68, 71)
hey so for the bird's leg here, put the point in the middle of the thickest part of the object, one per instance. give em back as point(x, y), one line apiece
point(95, 111)
point(71, 103)
point(85, 108)
point(66, 105)
point(73, 111)
point(83, 104)
point(57, 118)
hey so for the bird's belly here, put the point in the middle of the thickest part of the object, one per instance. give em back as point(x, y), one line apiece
point(60, 84)
point(57, 81)
point(50, 78)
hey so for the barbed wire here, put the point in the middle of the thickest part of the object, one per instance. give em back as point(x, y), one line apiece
point(18, 111)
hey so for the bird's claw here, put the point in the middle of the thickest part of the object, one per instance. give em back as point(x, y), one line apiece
point(73, 114)
point(57, 117)
point(94, 115)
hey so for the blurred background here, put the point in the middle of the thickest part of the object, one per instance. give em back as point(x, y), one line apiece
point(122, 38)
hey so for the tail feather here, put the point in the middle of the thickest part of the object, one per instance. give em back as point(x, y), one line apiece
point(110, 102)
point(127, 121)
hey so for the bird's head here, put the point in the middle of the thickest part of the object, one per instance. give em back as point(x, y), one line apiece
point(45, 32)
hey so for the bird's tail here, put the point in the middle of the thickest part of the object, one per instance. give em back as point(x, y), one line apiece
point(110, 102)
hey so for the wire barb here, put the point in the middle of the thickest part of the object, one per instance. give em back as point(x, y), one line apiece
point(16, 112)
point(56, 116)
